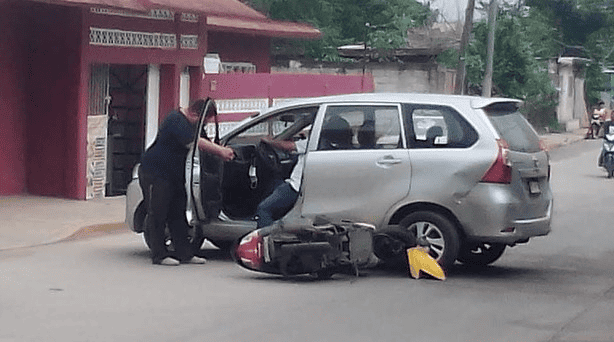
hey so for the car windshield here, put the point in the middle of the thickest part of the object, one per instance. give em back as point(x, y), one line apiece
point(513, 127)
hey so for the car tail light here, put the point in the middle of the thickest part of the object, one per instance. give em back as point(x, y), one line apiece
point(500, 171)
point(249, 251)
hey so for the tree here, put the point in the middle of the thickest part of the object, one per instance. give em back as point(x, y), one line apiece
point(382, 24)
point(586, 26)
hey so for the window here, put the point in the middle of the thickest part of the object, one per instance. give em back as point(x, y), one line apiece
point(281, 126)
point(360, 127)
point(513, 127)
point(437, 127)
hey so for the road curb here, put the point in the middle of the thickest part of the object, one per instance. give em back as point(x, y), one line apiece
point(97, 230)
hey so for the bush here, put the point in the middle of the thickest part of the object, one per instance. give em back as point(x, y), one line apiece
point(541, 113)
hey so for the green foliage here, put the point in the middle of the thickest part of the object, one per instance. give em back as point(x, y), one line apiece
point(523, 44)
point(448, 58)
point(381, 23)
point(589, 26)
point(517, 70)
point(575, 19)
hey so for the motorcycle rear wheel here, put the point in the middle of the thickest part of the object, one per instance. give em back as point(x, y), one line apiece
point(595, 131)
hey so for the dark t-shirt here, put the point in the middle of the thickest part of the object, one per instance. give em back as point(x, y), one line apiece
point(165, 158)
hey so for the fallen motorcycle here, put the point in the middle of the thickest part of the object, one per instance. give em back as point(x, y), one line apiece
point(317, 248)
point(323, 249)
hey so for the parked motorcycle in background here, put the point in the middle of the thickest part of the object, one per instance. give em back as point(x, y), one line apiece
point(597, 120)
point(607, 149)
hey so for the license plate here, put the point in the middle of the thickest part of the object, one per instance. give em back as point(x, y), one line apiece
point(534, 187)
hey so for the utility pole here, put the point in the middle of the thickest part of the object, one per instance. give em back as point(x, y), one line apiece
point(461, 82)
point(492, 24)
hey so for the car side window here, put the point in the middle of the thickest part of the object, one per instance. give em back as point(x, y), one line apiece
point(348, 127)
point(437, 127)
point(295, 122)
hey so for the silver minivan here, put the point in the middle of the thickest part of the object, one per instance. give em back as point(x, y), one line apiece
point(466, 176)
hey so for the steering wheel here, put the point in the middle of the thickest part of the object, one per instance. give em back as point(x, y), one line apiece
point(268, 154)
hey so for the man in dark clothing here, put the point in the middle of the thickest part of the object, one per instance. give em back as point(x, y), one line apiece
point(162, 179)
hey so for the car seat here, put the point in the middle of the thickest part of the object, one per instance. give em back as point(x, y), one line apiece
point(366, 135)
point(336, 134)
point(432, 133)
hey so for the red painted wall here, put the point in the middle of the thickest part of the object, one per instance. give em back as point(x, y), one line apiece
point(279, 86)
point(12, 110)
point(53, 123)
point(233, 47)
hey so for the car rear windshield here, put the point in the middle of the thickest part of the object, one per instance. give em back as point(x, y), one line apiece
point(513, 127)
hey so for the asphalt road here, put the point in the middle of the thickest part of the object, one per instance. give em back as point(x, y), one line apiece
point(556, 288)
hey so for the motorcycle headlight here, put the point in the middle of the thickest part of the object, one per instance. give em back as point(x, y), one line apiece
point(607, 146)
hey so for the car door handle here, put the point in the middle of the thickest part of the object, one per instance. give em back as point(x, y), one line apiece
point(388, 160)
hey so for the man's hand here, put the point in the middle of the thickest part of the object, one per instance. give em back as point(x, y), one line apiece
point(226, 153)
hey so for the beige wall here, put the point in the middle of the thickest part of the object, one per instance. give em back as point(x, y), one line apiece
point(388, 77)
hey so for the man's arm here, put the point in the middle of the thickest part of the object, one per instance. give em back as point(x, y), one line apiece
point(225, 153)
point(286, 145)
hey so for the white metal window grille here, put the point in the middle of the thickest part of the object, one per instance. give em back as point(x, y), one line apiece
point(189, 17)
point(189, 41)
point(111, 37)
point(155, 14)
point(241, 105)
point(238, 67)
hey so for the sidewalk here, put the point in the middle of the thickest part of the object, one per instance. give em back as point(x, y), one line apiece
point(27, 221)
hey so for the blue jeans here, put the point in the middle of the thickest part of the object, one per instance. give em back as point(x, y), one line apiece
point(276, 205)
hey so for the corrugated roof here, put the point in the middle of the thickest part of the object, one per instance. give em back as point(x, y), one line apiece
point(264, 27)
point(221, 15)
point(231, 8)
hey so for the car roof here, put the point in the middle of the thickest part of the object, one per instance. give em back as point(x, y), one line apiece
point(473, 101)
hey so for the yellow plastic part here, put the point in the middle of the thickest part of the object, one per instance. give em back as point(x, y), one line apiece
point(420, 261)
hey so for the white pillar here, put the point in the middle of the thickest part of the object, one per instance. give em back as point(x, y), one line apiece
point(184, 88)
point(153, 104)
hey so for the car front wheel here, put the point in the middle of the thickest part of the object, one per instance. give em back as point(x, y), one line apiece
point(436, 232)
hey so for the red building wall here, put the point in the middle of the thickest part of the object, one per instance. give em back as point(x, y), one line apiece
point(280, 86)
point(233, 47)
point(12, 110)
point(54, 127)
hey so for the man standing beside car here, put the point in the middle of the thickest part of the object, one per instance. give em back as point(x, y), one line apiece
point(162, 179)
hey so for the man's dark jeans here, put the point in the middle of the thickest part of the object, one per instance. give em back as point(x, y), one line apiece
point(276, 205)
point(165, 206)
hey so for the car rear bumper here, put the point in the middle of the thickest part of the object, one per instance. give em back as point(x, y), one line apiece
point(493, 214)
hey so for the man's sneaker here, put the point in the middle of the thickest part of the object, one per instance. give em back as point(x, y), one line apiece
point(168, 261)
point(196, 260)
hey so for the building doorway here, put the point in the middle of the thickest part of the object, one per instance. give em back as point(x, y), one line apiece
point(126, 125)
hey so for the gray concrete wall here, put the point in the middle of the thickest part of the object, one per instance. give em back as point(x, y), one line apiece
point(390, 77)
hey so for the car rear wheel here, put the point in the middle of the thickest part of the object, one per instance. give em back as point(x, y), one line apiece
point(480, 253)
point(436, 232)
